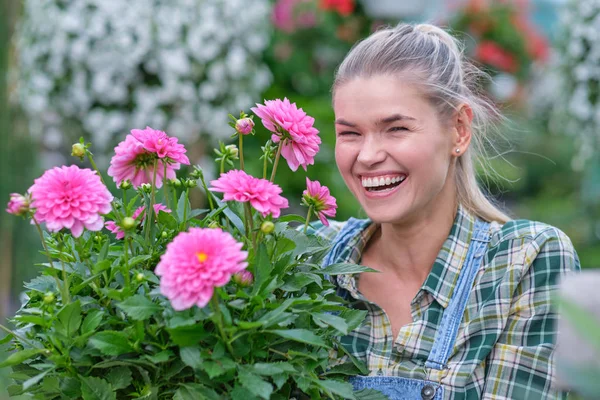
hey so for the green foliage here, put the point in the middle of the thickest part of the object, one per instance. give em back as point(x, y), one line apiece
point(95, 325)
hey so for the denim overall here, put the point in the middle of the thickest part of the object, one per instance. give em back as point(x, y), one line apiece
point(397, 388)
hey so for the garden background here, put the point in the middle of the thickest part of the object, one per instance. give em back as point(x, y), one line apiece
point(99, 68)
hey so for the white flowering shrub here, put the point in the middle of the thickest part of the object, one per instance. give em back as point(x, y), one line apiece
point(579, 99)
point(100, 66)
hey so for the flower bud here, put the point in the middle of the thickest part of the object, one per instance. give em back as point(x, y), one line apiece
point(213, 224)
point(196, 173)
point(18, 204)
point(191, 183)
point(267, 227)
point(128, 223)
point(244, 125)
point(243, 278)
point(78, 150)
point(125, 185)
point(232, 151)
point(98, 238)
point(146, 187)
point(164, 234)
point(49, 298)
point(175, 182)
point(139, 277)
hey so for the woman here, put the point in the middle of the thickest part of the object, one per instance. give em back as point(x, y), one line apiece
point(461, 306)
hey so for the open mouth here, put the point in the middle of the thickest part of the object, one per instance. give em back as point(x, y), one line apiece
point(382, 184)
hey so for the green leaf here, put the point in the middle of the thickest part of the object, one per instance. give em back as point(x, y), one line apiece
point(101, 266)
point(268, 369)
point(263, 268)
point(20, 356)
point(345, 268)
point(300, 335)
point(34, 380)
point(195, 391)
point(42, 284)
point(139, 259)
point(191, 356)
point(6, 339)
point(161, 357)
point(187, 335)
point(93, 388)
point(292, 217)
point(331, 320)
point(271, 317)
point(343, 389)
point(299, 281)
point(254, 383)
point(139, 307)
point(69, 319)
point(111, 343)
point(370, 394)
point(167, 219)
point(348, 369)
point(91, 321)
point(182, 205)
point(119, 377)
point(353, 318)
point(364, 370)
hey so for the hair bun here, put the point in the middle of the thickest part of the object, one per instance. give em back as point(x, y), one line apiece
point(440, 33)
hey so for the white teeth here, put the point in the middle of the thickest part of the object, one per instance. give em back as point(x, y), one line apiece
point(375, 182)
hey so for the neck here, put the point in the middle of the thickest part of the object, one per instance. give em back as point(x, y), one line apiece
point(409, 250)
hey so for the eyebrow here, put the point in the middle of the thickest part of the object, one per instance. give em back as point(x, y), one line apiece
point(383, 121)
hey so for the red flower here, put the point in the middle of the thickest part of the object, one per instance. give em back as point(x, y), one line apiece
point(490, 53)
point(343, 7)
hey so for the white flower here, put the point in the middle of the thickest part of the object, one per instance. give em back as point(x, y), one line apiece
point(112, 65)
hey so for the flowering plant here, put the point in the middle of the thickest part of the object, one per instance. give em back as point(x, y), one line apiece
point(175, 302)
point(505, 40)
point(100, 67)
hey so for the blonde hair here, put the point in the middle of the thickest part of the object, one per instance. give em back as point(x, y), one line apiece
point(449, 80)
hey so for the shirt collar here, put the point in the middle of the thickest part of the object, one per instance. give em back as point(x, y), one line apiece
point(445, 271)
point(443, 277)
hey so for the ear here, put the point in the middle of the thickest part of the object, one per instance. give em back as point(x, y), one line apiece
point(462, 129)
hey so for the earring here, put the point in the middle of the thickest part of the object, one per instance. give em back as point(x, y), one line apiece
point(457, 150)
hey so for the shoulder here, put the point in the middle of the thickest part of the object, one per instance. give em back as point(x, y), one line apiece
point(524, 245)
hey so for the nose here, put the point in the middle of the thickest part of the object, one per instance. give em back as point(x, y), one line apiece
point(371, 152)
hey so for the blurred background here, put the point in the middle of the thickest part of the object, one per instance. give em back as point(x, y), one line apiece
point(98, 68)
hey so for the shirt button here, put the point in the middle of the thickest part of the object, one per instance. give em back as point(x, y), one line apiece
point(428, 392)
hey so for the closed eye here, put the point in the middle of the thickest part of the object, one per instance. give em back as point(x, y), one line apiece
point(398, 129)
point(348, 133)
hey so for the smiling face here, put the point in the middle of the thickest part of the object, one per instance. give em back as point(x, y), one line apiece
point(393, 150)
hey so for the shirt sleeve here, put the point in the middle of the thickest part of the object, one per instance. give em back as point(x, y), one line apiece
point(520, 366)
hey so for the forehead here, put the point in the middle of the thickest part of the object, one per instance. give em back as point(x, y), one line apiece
point(380, 95)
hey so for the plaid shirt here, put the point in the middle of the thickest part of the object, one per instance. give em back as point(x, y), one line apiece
point(504, 347)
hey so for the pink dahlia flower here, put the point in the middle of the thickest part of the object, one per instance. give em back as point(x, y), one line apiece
point(119, 233)
point(239, 186)
point(323, 203)
point(243, 278)
point(195, 263)
point(70, 197)
point(135, 156)
point(18, 204)
point(301, 142)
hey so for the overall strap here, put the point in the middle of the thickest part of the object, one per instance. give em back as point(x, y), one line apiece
point(445, 335)
point(345, 236)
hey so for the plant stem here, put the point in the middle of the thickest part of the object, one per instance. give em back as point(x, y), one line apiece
point(165, 184)
point(39, 229)
point(15, 335)
point(150, 211)
point(280, 353)
point(185, 209)
point(65, 282)
point(125, 271)
point(222, 165)
point(310, 208)
point(214, 302)
point(94, 166)
point(276, 160)
point(250, 224)
point(241, 149)
point(265, 164)
point(208, 194)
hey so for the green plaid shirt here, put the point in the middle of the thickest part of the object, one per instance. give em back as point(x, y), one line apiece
point(504, 347)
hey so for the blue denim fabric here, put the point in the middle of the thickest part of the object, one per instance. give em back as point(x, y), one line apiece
point(398, 388)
